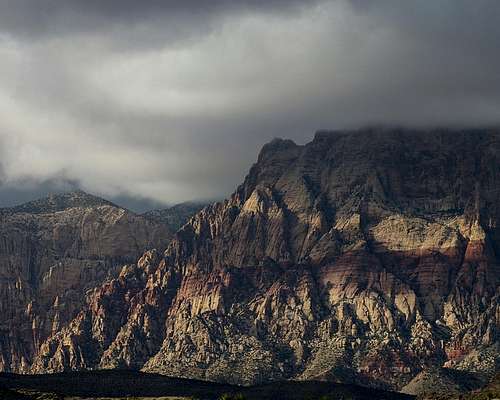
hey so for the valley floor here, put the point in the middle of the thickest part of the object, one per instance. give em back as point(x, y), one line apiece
point(134, 385)
point(118, 385)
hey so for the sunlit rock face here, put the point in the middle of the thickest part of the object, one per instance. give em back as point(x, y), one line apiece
point(51, 252)
point(364, 256)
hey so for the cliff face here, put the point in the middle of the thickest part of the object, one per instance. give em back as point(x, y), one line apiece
point(51, 252)
point(362, 257)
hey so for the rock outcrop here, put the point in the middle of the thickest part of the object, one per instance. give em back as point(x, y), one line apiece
point(364, 256)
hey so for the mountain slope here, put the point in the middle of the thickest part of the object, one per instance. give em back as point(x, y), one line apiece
point(363, 256)
point(52, 251)
point(176, 216)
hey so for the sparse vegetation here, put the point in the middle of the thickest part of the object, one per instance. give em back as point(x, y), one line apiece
point(490, 392)
point(237, 396)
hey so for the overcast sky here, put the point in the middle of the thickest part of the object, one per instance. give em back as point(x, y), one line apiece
point(153, 101)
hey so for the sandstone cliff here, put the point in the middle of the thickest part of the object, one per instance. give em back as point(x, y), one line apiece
point(363, 256)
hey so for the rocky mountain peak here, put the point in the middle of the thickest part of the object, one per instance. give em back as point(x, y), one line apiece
point(275, 147)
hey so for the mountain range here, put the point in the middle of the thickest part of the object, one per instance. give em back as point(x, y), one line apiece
point(53, 250)
point(369, 257)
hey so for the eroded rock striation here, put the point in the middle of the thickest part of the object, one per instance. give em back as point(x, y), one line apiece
point(363, 256)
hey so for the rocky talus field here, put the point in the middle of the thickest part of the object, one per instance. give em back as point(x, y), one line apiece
point(367, 257)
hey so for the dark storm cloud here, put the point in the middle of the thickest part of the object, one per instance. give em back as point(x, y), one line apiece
point(36, 19)
point(171, 100)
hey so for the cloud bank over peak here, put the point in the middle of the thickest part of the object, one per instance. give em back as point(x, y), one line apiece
point(171, 101)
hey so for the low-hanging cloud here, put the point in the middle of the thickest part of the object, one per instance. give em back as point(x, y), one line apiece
point(171, 100)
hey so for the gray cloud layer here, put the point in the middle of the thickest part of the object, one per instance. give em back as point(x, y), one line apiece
point(171, 100)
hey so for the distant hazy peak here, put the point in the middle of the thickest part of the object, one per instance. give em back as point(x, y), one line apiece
point(58, 202)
